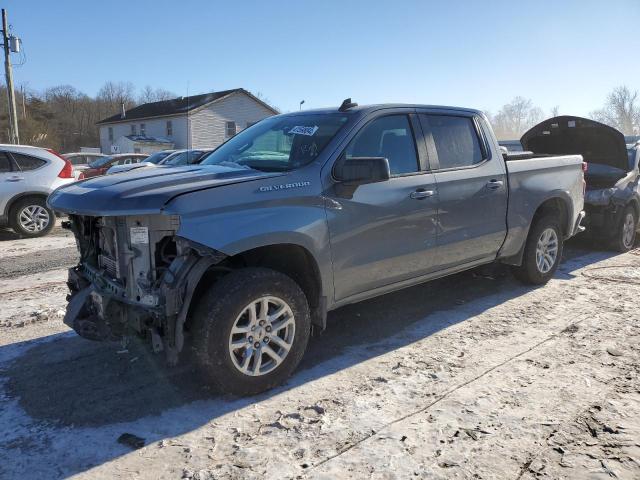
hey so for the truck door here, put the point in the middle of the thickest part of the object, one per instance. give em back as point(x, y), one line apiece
point(472, 189)
point(386, 231)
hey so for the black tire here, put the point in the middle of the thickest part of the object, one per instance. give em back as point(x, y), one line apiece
point(529, 272)
point(622, 243)
point(19, 207)
point(216, 313)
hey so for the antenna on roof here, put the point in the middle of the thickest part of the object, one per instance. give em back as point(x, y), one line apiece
point(346, 105)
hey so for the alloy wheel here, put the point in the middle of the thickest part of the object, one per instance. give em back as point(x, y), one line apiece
point(262, 336)
point(547, 250)
point(628, 230)
point(34, 218)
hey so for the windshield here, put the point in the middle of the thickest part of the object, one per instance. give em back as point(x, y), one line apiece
point(278, 143)
point(101, 162)
point(184, 158)
point(156, 157)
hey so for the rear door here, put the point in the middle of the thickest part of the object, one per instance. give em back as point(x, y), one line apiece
point(384, 233)
point(472, 188)
point(11, 181)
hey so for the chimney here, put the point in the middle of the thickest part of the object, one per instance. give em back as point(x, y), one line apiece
point(122, 112)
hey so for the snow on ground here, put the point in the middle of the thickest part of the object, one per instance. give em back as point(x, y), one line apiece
point(473, 376)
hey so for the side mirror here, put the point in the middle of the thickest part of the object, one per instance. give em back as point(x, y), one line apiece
point(361, 170)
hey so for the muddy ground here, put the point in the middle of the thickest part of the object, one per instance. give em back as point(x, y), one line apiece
point(472, 376)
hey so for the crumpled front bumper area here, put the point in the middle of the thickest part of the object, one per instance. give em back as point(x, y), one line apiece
point(84, 316)
point(86, 309)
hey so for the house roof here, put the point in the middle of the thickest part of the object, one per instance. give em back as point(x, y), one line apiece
point(177, 106)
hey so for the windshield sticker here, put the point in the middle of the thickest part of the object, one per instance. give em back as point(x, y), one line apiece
point(308, 131)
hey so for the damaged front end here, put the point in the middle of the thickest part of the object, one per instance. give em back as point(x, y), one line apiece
point(135, 276)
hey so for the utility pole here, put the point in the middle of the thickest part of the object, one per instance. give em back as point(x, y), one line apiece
point(13, 114)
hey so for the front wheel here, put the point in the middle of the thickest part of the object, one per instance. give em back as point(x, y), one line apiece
point(542, 252)
point(250, 330)
point(626, 235)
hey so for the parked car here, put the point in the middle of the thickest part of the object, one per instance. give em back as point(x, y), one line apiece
point(612, 200)
point(27, 176)
point(185, 157)
point(511, 145)
point(81, 160)
point(236, 258)
point(150, 161)
point(101, 165)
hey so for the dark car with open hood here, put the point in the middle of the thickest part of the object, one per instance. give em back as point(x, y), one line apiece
point(612, 199)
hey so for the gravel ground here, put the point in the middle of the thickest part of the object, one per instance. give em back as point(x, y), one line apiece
point(472, 376)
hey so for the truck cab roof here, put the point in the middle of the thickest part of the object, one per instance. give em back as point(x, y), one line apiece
point(381, 106)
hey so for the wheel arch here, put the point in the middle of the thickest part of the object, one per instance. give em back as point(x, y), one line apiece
point(22, 195)
point(293, 260)
point(558, 205)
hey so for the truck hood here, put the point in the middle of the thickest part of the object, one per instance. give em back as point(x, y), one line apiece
point(596, 142)
point(144, 190)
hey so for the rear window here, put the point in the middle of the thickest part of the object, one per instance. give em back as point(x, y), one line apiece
point(456, 140)
point(27, 162)
point(5, 163)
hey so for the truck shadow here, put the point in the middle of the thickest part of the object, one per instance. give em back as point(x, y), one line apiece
point(67, 386)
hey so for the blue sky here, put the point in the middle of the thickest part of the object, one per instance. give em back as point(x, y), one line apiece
point(458, 52)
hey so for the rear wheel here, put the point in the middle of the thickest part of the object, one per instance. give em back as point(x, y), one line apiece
point(542, 252)
point(30, 217)
point(626, 235)
point(250, 330)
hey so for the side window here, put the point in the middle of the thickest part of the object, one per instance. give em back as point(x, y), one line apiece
point(27, 162)
point(5, 163)
point(456, 140)
point(110, 130)
point(389, 137)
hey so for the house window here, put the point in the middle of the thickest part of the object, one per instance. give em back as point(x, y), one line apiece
point(169, 128)
point(231, 129)
point(143, 130)
point(110, 134)
point(133, 129)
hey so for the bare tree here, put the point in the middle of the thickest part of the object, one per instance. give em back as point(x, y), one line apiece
point(149, 94)
point(555, 111)
point(113, 94)
point(621, 111)
point(516, 117)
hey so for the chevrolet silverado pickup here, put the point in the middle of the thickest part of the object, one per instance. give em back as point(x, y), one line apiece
point(232, 262)
point(612, 200)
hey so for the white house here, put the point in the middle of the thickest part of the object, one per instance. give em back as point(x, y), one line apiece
point(199, 121)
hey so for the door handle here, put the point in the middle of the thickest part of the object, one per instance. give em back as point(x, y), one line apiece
point(422, 193)
point(14, 179)
point(494, 184)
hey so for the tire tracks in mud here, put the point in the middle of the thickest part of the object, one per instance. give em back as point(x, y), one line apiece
point(373, 433)
point(42, 261)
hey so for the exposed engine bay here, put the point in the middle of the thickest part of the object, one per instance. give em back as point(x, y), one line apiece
point(135, 276)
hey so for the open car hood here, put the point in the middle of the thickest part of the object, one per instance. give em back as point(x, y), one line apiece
point(568, 135)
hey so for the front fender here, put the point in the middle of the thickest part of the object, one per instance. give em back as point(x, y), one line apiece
point(233, 231)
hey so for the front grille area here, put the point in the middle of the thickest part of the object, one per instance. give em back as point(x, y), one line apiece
point(110, 265)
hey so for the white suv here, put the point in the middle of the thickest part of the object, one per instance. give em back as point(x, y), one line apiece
point(27, 176)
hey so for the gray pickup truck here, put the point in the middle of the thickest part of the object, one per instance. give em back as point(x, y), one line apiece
point(234, 261)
